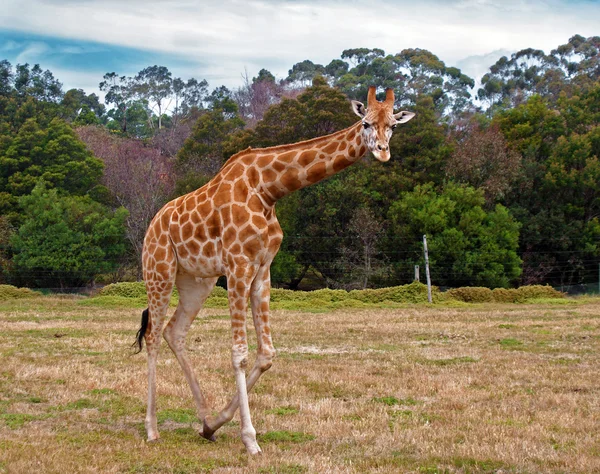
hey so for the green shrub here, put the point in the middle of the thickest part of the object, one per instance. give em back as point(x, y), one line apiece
point(502, 295)
point(538, 291)
point(415, 292)
point(9, 292)
point(135, 289)
point(473, 294)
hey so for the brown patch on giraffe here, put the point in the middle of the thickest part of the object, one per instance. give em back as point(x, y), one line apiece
point(264, 160)
point(209, 249)
point(240, 191)
point(269, 176)
point(240, 215)
point(287, 157)
point(254, 204)
point(276, 191)
point(190, 203)
point(253, 177)
point(226, 216)
point(229, 236)
point(264, 307)
point(200, 233)
point(238, 324)
point(342, 146)
point(204, 208)
point(246, 233)
point(235, 171)
point(162, 240)
point(307, 157)
point(330, 148)
point(163, 270)
point(277, 166)
point(193, 247)
point(213, 224)
point(290, 179)
point(340, 163)
point(182, 252)
point(249, 159)
point(352, 152)
point(222, 196)
point(362, 150)
point(274, 245)
point(160, 253)
point(236, 249)
point(164, 221)
point(359, 140)
point(252, 247)
point(316, 173)
point(351, 134)
point(259, 222)
point(195, 218)
point(187, 231)
point(240, 272)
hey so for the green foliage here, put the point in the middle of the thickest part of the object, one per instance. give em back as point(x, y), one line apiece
point(65, 241)
point(472, 294)
point(522, 294)
point(466, 243)
point(557, 197)
point(125, 289)
point(9, 292)
point(205, 151)
point(51, 153)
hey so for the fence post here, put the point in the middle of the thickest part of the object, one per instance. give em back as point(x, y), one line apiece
point(417, 273)
point(427, 268)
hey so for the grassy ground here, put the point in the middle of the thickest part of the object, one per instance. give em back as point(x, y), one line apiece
point(473, 389)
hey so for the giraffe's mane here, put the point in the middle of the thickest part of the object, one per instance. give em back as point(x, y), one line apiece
point(287, 147)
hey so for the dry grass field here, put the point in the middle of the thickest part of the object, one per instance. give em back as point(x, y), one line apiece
point(486, 388)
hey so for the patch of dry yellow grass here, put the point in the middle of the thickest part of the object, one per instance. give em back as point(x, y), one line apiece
point(487, 388)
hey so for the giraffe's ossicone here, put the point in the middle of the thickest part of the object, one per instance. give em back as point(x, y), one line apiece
point(228, 227)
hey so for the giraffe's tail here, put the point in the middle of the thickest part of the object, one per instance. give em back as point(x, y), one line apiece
point(139, 337)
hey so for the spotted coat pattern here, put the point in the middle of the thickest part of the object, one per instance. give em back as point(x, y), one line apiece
point(229, 227)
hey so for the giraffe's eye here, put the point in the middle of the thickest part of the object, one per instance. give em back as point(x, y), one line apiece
point(366, 125)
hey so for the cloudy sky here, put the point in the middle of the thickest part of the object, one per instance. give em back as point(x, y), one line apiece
point(217, 40)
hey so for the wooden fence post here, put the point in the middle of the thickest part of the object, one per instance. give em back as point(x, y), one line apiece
point(427, 269)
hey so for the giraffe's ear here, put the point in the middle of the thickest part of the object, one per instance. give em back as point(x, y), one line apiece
point(404, 116)
point(359, 108)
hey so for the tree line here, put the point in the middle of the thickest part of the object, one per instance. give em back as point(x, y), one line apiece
point(504, 180)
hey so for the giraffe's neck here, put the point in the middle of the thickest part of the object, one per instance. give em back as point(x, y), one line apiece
point(286, 169)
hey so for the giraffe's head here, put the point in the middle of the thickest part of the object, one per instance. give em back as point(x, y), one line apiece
point(379, 120)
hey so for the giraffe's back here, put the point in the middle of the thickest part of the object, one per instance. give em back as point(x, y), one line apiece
point(220, 225)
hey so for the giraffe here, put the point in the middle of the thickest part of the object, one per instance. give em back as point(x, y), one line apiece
point(228, 227)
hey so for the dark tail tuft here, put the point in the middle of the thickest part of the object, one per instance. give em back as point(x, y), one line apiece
point(139, 337)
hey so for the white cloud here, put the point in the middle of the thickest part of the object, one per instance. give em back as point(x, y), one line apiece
point(32, 51)
point(227, 36)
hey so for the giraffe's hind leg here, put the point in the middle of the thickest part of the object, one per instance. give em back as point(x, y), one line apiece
point(192, 294)
point(157, 311)
point(159, 276)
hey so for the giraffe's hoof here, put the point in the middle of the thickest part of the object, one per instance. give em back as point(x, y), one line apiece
point(153, 440)
point(207, 432)
point(253, 449)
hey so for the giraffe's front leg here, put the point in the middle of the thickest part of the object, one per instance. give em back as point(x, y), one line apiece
point(238, 284)
point(259, 298)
